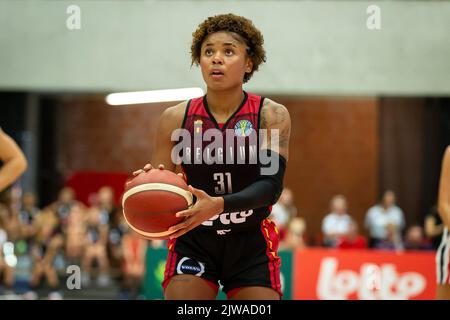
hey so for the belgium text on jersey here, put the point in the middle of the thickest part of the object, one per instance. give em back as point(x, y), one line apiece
point(216, 146)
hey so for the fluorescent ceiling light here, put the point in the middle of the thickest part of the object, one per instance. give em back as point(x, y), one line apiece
point(117, 99)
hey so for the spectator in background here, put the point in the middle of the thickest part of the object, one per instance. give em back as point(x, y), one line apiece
point(106, 204)
point(134, 249)
point(118, 228)
point(434, 228)
point(6, 270)
point(10, 224)
point(75, 235)
point(28, 213)
point(337, 223)
point(415, 240)
point(382, 217)
point(392, 241)
point(14, 161)
point(352, 240)
point(283, 211)
point(29, 209)
point(295, 235)
point(96, 248)
point(47, 242)
point(66, 199)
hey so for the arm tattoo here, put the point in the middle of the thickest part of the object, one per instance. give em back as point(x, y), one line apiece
point(275, 116)
point(284, 138)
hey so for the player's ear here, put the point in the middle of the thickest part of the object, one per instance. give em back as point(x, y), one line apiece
point(248, 65)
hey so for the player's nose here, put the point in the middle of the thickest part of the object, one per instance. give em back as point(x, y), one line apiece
point(217, 58)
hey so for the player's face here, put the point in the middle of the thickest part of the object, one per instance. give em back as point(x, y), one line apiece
point(224, 60)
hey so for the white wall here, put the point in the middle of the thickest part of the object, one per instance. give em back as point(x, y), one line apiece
point(313, 47)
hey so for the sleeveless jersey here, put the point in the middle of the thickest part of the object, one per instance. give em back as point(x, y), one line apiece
point(223, 158)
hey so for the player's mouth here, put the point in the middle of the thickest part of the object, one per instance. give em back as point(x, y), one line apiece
point(216, 74)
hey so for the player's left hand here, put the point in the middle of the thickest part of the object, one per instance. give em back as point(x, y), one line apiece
point(204, 208)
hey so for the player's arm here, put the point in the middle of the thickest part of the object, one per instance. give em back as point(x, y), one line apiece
point(432, 229)
point(261, 193)
point(14, 161)
point(444, 190)
point(170, 120)
point(275, 119)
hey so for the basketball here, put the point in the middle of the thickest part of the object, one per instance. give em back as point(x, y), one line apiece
point(151, 200)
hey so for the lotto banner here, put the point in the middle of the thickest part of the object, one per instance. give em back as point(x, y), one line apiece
point(363, 275)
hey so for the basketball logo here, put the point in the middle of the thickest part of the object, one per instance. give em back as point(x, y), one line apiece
point(243, 128)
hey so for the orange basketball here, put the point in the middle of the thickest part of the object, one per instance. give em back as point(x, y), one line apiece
point(150, 201)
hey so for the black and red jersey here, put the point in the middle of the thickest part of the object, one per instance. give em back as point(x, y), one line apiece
point(222, 158)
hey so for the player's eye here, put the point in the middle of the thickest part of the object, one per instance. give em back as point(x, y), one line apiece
point(229, 52)
point(208, 52)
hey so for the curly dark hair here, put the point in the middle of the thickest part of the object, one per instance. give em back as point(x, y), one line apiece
point(231, 23)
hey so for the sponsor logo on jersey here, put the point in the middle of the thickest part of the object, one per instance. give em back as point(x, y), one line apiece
point(243, 128)
point(229, 218)
point(198, 125)
point(190, 266)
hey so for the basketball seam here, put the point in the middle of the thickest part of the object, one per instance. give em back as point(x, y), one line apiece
point(158, 187)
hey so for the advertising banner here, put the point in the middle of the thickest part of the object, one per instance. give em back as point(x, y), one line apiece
point(363, 275)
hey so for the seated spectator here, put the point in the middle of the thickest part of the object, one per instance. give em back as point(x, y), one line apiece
point(11, 220)
point(415, 240)
point(106, 203)
point(27, 214)
point(434, 228)
point(392, 241)
point(283, 211)
point(119, 227)
point(6, 269)
point(295, 235)
point(337, 223)
point(352, 240)
point(382, 215)
point(96, 249)
point(75, 234)
point(66, 199)
point(134, 249)
point(47, 242)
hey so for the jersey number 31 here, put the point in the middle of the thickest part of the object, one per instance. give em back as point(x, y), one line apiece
point(219, 177)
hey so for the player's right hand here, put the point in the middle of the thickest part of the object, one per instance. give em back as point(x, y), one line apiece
point(146, 168)
point(149, 167)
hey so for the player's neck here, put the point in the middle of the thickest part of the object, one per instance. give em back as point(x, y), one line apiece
point(224, 103)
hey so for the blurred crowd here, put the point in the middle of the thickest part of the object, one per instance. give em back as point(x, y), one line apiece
point(384, 223)
point(37, 245)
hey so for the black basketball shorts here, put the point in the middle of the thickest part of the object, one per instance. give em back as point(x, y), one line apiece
point(236, 259)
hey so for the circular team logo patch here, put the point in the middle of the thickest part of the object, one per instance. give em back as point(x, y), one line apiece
point(243, 128)
point(189, 266)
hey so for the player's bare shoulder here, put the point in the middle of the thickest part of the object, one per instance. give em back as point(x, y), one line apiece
point(274, 114)
point(172, 117)
point(447, 154)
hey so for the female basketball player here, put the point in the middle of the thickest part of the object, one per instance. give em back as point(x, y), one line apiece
point(443, 252)
point(226, 235)
point(14, 162)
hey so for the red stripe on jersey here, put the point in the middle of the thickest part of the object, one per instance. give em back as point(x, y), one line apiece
point(271, 236)
point(170, 263)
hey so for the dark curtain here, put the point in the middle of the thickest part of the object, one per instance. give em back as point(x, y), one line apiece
point(13, 115)
point(50, 179)
point(413, 135)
